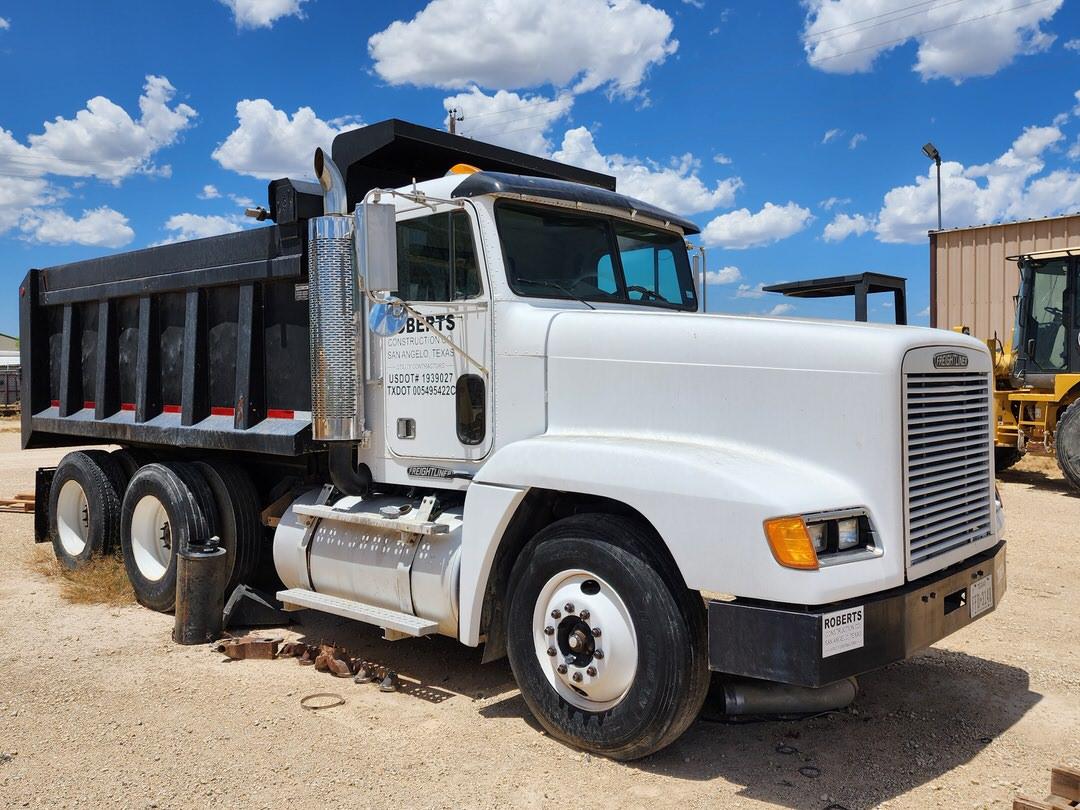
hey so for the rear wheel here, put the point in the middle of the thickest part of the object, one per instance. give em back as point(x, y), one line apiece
point(610, 654)
point(1067, 443)
point(1005, 457)
point(160, 515)
point(84, 509)
point(239, 529)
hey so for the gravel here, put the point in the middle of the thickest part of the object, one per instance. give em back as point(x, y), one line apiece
point(99, 708)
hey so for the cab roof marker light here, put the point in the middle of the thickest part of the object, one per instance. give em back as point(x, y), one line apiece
point(790, 543)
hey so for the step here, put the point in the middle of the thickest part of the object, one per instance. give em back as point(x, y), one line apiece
point(401, 524)
point(297, 598)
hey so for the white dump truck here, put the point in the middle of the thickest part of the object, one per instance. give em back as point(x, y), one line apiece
point(461, 390)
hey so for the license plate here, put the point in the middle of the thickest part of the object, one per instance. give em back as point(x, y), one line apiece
point(981, 596)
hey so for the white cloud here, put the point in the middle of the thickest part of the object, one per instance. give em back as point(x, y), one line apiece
point(955, 40)
point(268, 144)
point(831, 202)
point(781, 309)
point(1006, 188)
point(742, 229)
point(243, 202)
point(504, 44)
point(4, 24)
point(99, 227)
point(20, 195)
point(102, 140)
point(856, 139)
point(198, 226)
point(262, 13)
point(1074, 150)
point(723, 160)
point(844, 226)
point(750, 291)
point(516, 121)
point(1073, 45)
point(209, 192)
point(831, 135)
point(725, 275)
point(676, 187)
point(698, 4)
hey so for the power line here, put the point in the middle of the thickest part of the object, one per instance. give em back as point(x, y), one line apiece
point(886, 22)
point(918, 34)
point(874, 17)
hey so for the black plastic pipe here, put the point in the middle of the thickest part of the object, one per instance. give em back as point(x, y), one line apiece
point(200, 593)
point(350, 478)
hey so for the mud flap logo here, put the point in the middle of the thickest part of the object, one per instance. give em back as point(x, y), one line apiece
point(841, 631)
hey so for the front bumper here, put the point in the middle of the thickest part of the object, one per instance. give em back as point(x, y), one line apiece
point(819, 645)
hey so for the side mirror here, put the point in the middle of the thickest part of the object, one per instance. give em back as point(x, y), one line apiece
point(376, 246)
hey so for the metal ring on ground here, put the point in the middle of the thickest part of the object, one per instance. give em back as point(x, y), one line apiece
point(331, 699)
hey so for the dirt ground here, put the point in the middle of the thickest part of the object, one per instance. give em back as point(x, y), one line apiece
point(98, 708)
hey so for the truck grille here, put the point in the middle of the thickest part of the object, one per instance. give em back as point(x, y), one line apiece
point(947, 462)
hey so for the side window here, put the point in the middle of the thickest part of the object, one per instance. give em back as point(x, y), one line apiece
point(437, 258)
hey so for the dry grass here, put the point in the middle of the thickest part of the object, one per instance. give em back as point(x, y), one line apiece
point(103, 582)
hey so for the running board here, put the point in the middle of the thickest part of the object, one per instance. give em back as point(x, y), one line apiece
point(397, 625)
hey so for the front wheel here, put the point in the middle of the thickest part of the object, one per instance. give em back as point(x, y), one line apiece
point(610, 655)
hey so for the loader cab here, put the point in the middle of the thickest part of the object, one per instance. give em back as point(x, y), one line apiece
point(1046, 337)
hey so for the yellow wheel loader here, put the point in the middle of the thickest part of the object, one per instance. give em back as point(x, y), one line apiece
point(1037, 379)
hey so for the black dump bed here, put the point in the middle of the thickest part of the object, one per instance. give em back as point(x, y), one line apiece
point(204, 344)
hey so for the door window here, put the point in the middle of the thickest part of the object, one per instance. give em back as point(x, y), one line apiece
point(1048, 317)
point(437, 258)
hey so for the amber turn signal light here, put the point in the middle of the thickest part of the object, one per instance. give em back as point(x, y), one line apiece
point(790, 543)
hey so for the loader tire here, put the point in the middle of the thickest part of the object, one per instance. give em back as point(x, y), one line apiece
point(160, 515)
point(1067, 444)
point(84, 509)
point(1005, 457)
point(239, 529)
point(609, 650)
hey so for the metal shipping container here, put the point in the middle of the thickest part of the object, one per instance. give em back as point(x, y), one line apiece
point(972, 284)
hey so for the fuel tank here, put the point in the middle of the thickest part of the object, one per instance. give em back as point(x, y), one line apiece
point(387, 564)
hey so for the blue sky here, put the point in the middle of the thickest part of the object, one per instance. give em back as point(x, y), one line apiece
point(790, 132)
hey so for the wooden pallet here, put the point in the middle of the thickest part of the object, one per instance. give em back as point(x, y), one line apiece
point(23, 503)
point(1064, 792)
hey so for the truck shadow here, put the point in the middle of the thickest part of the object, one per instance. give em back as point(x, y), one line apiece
point(1036, 479)
point(911, 723)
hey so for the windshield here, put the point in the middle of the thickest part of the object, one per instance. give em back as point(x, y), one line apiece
point(552, 253)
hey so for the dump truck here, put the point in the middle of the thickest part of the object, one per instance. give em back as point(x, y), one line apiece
point(456, 389)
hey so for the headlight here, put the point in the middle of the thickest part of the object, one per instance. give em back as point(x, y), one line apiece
point(822, 538)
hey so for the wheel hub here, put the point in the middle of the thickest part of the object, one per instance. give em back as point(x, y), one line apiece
point(585, 640)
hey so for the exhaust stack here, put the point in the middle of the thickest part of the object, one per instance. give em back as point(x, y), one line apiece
point(337, 396)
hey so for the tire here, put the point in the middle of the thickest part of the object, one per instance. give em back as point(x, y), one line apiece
point(1067, 444)
point(653, 675)
point(84, 509)
point(129, 461)
point(115, 472)
point(160, 515)
point(1005, 457)
point(239, 529)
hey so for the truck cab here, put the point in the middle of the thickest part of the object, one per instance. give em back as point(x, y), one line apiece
point(520, 430)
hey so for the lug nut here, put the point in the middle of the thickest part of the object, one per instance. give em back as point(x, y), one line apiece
point(596, 632)
point(551, 651)
point(584, 615)
point(561, 668)
point(569, 607)
point(577, 677)
point(549, 630)
point(598, 654)
point(556, 614)
point(591, 671)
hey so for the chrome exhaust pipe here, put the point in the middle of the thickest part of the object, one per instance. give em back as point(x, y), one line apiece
point(333, 185)
point(766, 697)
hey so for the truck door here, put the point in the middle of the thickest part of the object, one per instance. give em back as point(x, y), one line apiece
point(437, 387)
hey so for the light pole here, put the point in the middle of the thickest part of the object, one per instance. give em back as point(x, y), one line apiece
point(931, 152)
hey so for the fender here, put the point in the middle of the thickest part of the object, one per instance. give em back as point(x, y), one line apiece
point(707, 502)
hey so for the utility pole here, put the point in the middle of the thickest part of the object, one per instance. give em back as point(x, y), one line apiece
point(453, 116)
point(932, 152)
